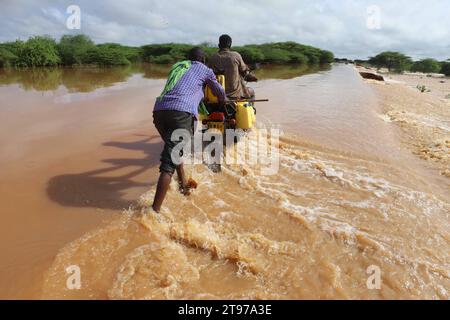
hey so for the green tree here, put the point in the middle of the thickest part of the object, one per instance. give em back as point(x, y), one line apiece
point(394, 61)
point(73, 49)
point(250, 54)
point(105, 56)
point(426, 66)
point(298, 58)
point(326, 57)
point(132, 54)
point(445, 68)
point(9, 53)
point(79, 49)
point(163, 59)
point(39, 52)
point(276, 55)
point(7, 58)
point(14, 47)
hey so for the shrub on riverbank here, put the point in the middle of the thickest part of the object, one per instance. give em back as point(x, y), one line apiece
point(7, 58)
point(398, 62)
point(393, 61)
point(73, 49)
point(80, 50)
point(35, 52)
point(104, 56)
point(445, 68)
point(426, 66)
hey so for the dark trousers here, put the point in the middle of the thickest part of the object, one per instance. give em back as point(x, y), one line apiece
point(166, 122)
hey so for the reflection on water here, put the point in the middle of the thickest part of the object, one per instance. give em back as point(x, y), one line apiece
point(73, 79)
point(88, 79)
point(288, 72)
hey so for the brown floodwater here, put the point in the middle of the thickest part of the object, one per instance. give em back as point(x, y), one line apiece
point(78, 147)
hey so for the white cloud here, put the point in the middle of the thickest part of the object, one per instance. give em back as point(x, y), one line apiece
point(417, 28)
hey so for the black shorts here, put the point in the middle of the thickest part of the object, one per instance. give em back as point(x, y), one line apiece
point(166, 122)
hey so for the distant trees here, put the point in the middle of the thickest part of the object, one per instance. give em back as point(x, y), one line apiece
point(284, 53)
point(131, 54)
point(165, 53)
point(426, 66)
point(277, 53)
point(36, 51)
point(73, 49)
point(250, 54)
point(393, 61)
point(7, 58)
point(398, 62)
point(445, 68)
point(104, 56)
point(80, 50)
point(70, 50)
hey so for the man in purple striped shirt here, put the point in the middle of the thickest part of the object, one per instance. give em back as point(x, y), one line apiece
point(177, 109)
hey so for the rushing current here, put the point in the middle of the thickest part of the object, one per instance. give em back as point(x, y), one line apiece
point(348, 200)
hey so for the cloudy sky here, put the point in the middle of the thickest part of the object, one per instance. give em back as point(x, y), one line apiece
point(349, 28)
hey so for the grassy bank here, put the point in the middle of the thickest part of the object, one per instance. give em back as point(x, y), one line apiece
point(43, 51)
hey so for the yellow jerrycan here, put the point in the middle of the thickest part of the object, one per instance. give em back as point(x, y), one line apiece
point(209, 95)
point(245, 115)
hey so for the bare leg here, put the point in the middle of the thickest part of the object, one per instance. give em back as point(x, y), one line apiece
point(161, 190)
point(181, 177)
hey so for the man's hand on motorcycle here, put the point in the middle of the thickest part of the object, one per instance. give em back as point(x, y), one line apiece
point(251, 78)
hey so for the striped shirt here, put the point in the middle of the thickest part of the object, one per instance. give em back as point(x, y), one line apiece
point(188, 92)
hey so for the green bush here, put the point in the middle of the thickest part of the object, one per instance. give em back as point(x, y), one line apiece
point(132, 54)
point(9, 53)
point(13, 47)
point(163, 59)
point(104, 56)
point(326, 57)
point(250, 54)
point(165, 53)
point(7, 58)
point(426, 66)
point(445, 68)
point(274, 55)
point(38, 52)
point(73, 49)
point(298, 58)
point(80, 49)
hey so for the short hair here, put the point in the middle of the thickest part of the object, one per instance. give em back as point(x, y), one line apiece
point(225, 41)
point(197, 54)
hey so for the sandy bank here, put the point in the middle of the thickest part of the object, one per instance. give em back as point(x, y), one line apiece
point(423, 117)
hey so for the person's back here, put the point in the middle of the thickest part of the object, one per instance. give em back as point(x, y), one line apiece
point(175, 110)
point(232, 66)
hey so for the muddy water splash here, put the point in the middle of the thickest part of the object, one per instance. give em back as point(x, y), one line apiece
point(311, 231)
point(347, 196)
